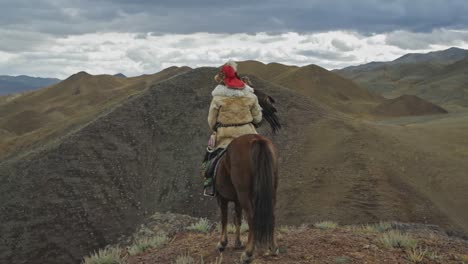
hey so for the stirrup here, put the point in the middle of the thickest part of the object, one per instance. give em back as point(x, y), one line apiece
point(209, 192)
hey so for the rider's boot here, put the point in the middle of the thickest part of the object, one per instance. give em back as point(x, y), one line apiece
point(208, 188)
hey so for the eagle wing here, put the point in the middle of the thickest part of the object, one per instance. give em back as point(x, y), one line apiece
point(268, 110)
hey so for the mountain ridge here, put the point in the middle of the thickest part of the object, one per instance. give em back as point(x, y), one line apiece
point(439, 77)
point(22, 83)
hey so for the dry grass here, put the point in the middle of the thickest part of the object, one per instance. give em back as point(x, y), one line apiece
point(203, 225)
point(108, 255)
point(371, 228)
point(326, 225)
point(184, 259)
point(187, 259)
point(342, 259)
point(464, 258)
point(416, 255)
point(396, 239)
point(231, 228)
point(142, 244)
point(218, 260)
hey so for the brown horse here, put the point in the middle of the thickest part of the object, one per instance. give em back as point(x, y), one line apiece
point(248, 176)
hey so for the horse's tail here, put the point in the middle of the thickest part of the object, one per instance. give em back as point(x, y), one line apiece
point(263, 191)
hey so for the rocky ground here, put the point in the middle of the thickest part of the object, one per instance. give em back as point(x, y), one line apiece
point(323, 242)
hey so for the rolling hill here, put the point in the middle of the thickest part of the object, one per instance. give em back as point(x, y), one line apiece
point(22, 83)
point(93, 185)
point(407, 105)
point(439, 77)
point(316, 83)
point(31, 117)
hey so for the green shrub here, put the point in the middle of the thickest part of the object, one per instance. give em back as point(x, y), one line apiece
point(326, 225)
point(203, 225)
point(142, 244)
point(108, 255)
point(396, 239)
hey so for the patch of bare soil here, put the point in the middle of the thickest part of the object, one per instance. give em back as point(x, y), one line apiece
point(314, 245)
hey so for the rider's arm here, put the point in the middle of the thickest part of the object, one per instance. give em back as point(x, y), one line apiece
point(256, 112)
point(213, 114)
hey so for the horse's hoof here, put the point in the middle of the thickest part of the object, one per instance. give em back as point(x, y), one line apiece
point(221, 246)
point(238, 244)
point(273, 252)
point(245, 259)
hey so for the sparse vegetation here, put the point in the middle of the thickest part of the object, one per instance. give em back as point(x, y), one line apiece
point(108, 255)
point(288, 229)
point(416, 255)
point(184, 259)
point(203, 225)
point(326, 225)
point(218, 260)
point(332, 243)
point(434, 255)
point(231, 228)
point(464, 258)
point(342, 259)
point(142, 244)
point(370, 228)
point(396, 239)
point(377, 227)
point(285, 229)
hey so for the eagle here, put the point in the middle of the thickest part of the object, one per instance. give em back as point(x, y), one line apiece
point(267, 102)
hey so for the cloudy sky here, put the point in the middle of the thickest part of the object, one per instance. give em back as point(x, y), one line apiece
point(57, 38)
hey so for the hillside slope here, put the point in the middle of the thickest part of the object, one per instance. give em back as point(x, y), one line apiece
point(95, 185)
point(316, 83)
point(439, 77)
point(407, 105)
point(28, 118)
point(88, 188)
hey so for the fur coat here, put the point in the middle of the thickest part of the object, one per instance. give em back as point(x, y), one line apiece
point(233, 107)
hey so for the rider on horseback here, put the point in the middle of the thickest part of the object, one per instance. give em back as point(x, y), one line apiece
point(233, 112)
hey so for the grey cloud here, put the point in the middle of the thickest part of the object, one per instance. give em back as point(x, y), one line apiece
point(17, 41)
point(341, 45)
point(275, 16)
point(415, 41)
point(271, 39)
point(327, 55)
point(185, 43)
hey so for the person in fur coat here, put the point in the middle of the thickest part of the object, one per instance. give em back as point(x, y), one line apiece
point(233, 112)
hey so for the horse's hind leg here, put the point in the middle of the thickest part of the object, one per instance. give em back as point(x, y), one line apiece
point(223, 205)
point(273, 247)
point(238, 223)
point(247, 255)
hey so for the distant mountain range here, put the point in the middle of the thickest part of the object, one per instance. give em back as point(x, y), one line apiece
point(21, 83)
point(440, 77)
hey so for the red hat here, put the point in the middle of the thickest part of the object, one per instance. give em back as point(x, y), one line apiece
point(230, 78)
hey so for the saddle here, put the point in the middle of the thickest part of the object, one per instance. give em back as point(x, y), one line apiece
point(211, 168)
point(213, 163)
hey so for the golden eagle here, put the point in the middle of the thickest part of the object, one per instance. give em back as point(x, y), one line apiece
point(268, 109)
